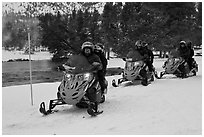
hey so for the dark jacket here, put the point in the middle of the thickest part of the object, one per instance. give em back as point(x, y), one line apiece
point(184, 52)
point(191, 53)
point(94, 58)
point(150, 55)
point(103, 60)
point(142, 51)
point(147, 54)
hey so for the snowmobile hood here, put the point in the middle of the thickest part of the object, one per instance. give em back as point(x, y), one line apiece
point(132, 69)
point(174, 53)
point(172, 64)
point(134, 56)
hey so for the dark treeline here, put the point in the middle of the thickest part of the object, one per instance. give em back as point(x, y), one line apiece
point(118, 27)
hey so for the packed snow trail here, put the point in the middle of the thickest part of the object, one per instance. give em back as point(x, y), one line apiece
point(169, 106)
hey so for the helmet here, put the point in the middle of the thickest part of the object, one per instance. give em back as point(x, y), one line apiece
point(144, 44)
point(182, 43)
point(138, 43)
point(99, 47)
point(87, 45)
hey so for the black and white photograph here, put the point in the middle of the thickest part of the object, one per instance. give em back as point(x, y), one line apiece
point(101, 68)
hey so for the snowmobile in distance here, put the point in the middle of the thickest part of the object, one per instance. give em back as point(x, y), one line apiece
point(79, 87)
point(173, 65)
point(135, 69)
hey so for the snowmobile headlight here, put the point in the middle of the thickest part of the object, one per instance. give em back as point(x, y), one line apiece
point(171, 60)
point(80, 77)
point(129, 64)
point(87, 76)
point(68, 76)
point(129, 59)
point(176, 59)
point(137, 63)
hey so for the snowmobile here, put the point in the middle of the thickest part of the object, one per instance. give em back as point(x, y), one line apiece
point(135, 70)
point(79, 87)
point(174, 65)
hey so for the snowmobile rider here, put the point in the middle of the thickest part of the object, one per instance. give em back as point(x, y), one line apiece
point(184, 52)
point(99, 50)
point(147, 54)
point(87, 50)
point(191, 59)
point(143, 53)
point(150, 58)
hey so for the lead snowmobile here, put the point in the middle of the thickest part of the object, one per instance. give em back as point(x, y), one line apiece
point(79, 87)
point(135, 69)
point(175, 64)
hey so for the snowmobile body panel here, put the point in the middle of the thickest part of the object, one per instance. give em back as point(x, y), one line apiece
point(74, 86)
point(132, 70)
point(172, 65)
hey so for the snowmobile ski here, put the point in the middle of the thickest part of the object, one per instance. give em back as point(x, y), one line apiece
point(91, 112)
point(43, 110)
point(156, 74)
point(52, 104)
point(114, 83)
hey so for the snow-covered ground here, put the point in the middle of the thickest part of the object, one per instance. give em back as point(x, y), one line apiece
point(7, 55)
point(169, 106)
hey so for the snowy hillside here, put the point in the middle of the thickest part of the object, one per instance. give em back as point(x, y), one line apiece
point(169, 106)
point(7, 55)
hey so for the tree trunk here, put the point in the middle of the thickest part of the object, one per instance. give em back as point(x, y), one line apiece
point(164, 56)
point(160, 54)
point(108, 57)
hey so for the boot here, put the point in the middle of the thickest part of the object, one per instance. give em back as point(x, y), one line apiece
point(93, 109)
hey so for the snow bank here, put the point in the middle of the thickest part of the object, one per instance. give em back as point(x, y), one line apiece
point(169, 106)
point(7, 55)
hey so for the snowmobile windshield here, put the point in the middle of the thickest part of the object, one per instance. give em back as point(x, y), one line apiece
point(78, 64)
point(134, 56)
point(174, 53)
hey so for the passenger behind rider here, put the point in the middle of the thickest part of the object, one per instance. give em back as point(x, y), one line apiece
point(143, 53)
point(191, 59)
point(147, 54)
point(150, 57)
point(184, 52)
point(99, 50)
point(87, 50)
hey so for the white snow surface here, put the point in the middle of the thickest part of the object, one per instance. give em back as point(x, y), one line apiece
point(169, 106)
point(7, 55)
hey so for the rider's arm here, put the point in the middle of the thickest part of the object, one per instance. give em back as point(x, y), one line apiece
point(151, 56)
point(96, 63)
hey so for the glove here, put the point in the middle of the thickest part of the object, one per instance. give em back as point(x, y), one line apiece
point(96, 66)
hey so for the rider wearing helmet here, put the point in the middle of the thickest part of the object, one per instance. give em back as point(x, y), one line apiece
point(184, 52)
point(99, 50)
point(191, 59)
point(138, 44)
point(87, 49)
point(149, 56)
point(139, 47)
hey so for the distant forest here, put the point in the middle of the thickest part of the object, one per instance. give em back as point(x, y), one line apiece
point(63, 27)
